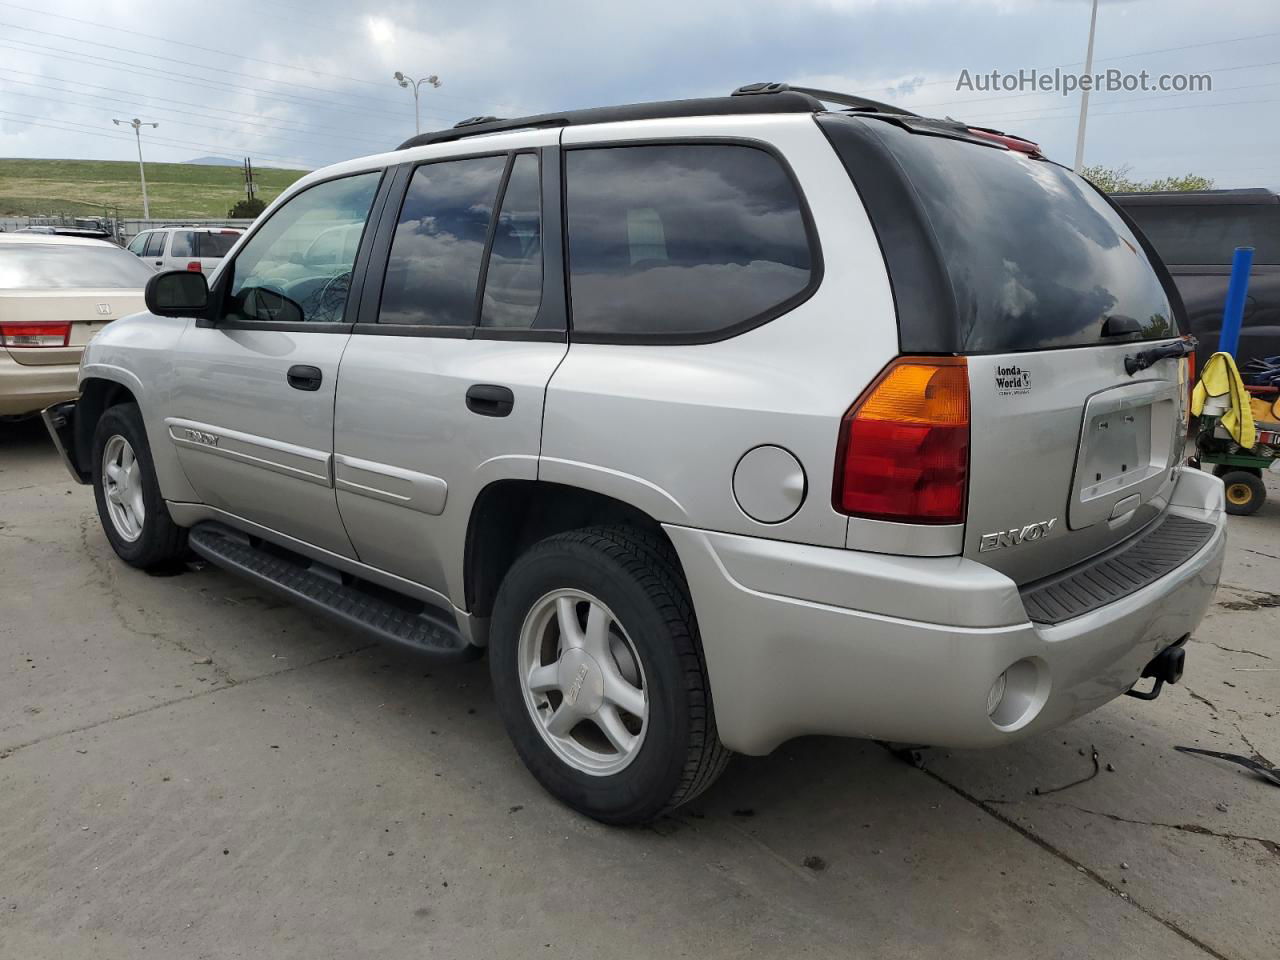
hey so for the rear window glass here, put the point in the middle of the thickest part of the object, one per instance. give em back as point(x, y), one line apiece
point(215, 245)
point(1204, 234)
point(682, 240)
point(1035, 257)
point(38, 266)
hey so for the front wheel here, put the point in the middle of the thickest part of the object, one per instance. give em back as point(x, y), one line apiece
point(598, 675)
point(133, 513)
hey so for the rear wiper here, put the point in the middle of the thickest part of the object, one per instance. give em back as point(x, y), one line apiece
point(1134, 362)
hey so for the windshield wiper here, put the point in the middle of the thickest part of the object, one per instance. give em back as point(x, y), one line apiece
point(1134, 362)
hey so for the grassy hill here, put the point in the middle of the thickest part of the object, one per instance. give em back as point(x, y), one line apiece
point(33, 187)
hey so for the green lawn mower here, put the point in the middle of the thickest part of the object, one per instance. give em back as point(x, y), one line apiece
point(1239, 468)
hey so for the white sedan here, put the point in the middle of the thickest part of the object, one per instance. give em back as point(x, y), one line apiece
point(56, 292)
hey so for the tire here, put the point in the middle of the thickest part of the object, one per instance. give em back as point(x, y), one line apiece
point(632, 580)
point(1245, 492)
point(150, 539)
point(1220, 470)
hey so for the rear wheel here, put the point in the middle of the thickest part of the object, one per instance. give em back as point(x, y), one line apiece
point(133, 513)
point(1245, 492)
point(598, 674)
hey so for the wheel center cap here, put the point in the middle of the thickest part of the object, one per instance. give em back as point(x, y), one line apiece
point(581, 681)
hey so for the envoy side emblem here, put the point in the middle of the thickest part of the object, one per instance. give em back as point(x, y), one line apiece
point(1016, 536)
point(104, 309)
point(199, 436)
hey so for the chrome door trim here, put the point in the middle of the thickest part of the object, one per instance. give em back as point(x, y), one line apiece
point(382, 481)
point(312, 466)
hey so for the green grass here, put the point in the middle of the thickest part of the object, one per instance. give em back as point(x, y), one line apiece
point(34, 187)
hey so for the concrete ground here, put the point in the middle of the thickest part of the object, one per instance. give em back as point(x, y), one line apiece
point(191, 769)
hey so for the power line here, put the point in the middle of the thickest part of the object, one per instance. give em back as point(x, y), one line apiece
point(41, 121)
point(1123, 56)
point(1041, 93)
point(1128, 113)
point(312, 143)
point(289, 99)
point(200, 66)
point(215, 50)
point(324, 137)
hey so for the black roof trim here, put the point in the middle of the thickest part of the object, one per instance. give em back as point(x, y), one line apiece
point(784, 102)
point(827, 96)
point(1193, 198)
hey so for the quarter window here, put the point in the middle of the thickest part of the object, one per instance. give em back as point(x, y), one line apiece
point(438, 247)
point(180, 245)
point(297, 267)
point(513, 280)
point(682, 240)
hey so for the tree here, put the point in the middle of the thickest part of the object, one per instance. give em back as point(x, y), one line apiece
point(1118, 180)
point(247, 209)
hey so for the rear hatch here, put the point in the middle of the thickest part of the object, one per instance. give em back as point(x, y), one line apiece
point(1017, 264)
point(212, 246)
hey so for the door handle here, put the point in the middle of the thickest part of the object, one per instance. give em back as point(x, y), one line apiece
point(304, 377)
point(490, 399)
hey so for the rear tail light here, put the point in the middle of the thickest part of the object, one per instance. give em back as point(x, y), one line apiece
point(35, 334)
point(903, 453)
point(194, 267)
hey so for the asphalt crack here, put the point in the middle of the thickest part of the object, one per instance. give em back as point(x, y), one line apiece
point(1271, 846)
point(6, 752)
point(1099, 879)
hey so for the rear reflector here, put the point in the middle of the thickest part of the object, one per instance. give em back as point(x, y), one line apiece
point(35, 334)
point(903, 452)
point(194, 267)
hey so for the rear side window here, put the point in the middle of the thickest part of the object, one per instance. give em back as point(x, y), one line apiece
point(212, 246)
point(683, 242)
point(181, 245)
point(155, 244)
point(513, 279)
point(1013, 254)
point(1205, 234)
point(434, 266)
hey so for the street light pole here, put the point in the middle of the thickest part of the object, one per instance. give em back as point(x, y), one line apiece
point(407, 81)
point(1084, 96)
point(142, 171)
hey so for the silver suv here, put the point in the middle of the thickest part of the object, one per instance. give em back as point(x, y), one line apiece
point(716, 422)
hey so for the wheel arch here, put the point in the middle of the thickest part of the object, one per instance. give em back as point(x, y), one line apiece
point(510, 515)
point(97, 395)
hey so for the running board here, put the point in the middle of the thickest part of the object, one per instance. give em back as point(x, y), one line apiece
point(374, 610)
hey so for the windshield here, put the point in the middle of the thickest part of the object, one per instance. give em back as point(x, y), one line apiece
point(41, 266)
point(1032, 256)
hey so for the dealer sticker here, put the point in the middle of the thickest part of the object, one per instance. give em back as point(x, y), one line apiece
point(1012, 381)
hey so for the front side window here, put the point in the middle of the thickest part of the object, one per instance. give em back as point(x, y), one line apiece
point(287, 271)
point(682, 240)
point(138, 244)
point(434, 265)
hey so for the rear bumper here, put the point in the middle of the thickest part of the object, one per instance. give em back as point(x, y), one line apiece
point(810, 640)
point(29, 389)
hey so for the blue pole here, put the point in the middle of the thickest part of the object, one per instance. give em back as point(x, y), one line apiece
point(1233, 312)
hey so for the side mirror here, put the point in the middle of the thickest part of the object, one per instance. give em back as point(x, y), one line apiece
point(178, 293)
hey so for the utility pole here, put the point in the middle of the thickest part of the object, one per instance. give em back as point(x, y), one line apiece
point(142, 171)
point(407, 81)
point(250, 188)
point(1084, 95)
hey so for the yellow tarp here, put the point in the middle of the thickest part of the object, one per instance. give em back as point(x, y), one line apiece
point(1220, 377)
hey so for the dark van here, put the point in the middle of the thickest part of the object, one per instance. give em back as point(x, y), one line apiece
point(1196, 232)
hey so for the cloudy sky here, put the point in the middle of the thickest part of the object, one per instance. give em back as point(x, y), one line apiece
point(297, 83)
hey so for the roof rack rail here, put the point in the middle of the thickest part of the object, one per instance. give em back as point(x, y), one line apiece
point(781, 99)
point(827, 96)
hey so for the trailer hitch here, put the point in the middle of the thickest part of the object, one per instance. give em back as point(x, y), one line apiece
point(1165, 667)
